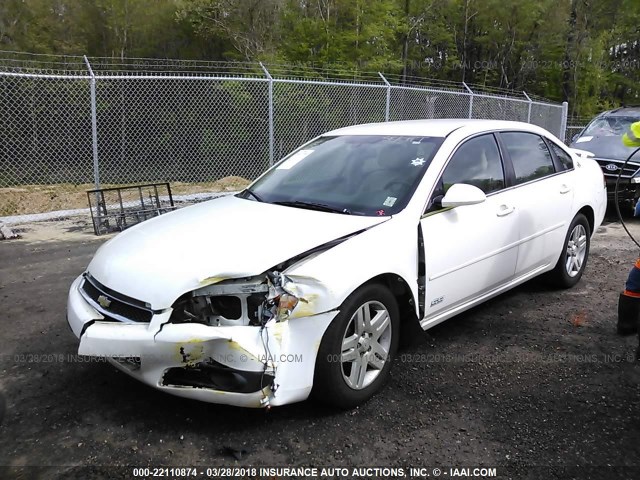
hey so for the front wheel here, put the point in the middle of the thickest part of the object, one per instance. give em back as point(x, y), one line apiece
point(356, 351)
point(575, 254)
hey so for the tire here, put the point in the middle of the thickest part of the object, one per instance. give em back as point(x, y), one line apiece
point(575, 253)
point(347, 344)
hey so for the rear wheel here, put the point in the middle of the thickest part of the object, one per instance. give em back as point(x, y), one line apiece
point(356, 351)
point(574, 256)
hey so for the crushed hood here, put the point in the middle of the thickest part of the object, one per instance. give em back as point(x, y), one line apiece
point(162, 258)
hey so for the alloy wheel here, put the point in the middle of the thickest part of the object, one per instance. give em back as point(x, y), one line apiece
point(365, 345)
point(576, 250)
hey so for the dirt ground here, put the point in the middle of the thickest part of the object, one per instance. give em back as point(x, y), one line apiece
point(535, 383)
point(47, 198)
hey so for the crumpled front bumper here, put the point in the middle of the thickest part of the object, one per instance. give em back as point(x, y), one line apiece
point(282, 351)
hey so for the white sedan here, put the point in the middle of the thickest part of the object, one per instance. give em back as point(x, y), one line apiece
point(298, 285)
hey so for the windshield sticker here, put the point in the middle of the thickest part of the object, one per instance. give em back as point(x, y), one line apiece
point(390, 201)
point(584, 139)
point(417, 162)
point(380, 213)
point(294, 159)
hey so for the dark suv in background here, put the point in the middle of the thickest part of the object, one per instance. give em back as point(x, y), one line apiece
point(603, 138)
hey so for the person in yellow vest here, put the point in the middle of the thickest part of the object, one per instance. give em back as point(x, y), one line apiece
point(629, 302)
point(631, 138)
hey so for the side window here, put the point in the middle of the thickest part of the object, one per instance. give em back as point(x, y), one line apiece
point(530, 156)
point(477, 162)
point(566, 163)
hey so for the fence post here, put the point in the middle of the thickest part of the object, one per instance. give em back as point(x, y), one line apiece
point(94, 124)
point(271, 133)
point(563, 122)
point(530, 102)
point(388, 106)
point(470, 99)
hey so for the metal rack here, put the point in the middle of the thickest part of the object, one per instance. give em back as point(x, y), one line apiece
point(115, 209)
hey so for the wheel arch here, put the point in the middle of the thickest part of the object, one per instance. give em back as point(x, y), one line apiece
point(588, 212)
point(400, 289)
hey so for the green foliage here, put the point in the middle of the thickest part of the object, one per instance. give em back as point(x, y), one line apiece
point(584, 51)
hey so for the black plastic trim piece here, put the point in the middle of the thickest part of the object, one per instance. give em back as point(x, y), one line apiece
point(422, 273)
point(216, 376)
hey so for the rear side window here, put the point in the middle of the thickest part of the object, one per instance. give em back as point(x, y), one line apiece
point(477, 162)
point(529, 154)
point(565, 161)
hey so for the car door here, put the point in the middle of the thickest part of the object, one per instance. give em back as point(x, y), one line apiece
point(472, 249)
point(544, 197)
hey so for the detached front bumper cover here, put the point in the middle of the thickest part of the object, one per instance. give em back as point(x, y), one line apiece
point(214, 358)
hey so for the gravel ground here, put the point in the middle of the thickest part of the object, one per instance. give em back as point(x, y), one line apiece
point(535, 383)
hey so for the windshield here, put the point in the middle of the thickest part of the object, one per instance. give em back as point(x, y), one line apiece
point(610, 126)
point(360, 175)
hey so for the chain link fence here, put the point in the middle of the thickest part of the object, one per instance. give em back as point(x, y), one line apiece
point(45, 130)
point(68, 124)
point(575, 125)
point(180, 130)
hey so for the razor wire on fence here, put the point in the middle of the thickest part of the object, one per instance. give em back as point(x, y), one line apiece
point(74, 120)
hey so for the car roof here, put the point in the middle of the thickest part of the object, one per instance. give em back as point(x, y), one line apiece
point(632, 111)
point(433, 127)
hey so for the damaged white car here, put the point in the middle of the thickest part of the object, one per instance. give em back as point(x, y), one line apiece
point(299, 284)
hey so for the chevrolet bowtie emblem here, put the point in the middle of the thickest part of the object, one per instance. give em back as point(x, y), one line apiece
point(104, 301)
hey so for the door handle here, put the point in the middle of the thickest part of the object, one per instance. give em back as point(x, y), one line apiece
point(565, 189)
point(504, 210)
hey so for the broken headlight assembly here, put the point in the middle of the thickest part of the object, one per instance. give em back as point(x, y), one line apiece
point(247, 301)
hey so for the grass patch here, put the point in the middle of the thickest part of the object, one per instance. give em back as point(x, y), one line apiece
point(27, 199)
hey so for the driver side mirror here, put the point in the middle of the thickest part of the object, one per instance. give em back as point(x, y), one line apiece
point(436, 203)
point(460, 194)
